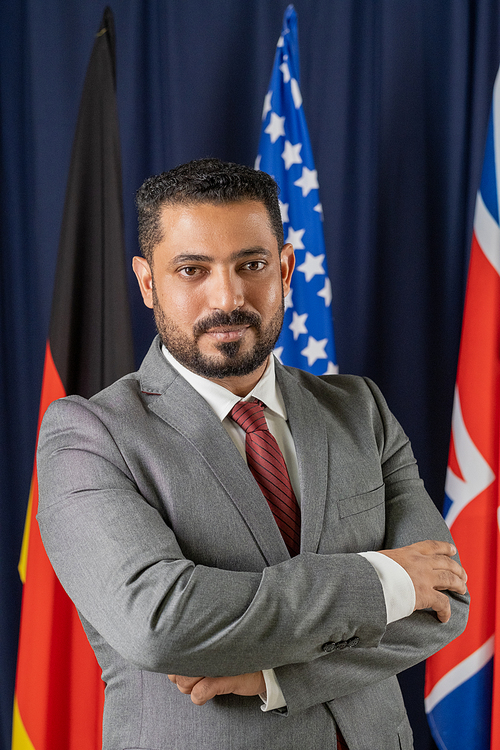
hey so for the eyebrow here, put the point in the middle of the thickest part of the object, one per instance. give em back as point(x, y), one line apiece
point(238, 255)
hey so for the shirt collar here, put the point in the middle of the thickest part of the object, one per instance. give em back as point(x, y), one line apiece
point(221, 400)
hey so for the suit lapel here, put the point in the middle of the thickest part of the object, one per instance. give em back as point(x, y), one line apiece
point(172, 399)
point(311, 445)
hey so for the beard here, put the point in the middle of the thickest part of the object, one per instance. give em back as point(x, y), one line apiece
point(232, 363)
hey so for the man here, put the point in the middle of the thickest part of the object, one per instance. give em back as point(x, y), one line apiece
point(197, 579)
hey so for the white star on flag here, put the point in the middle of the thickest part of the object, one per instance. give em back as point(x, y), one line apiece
point(296, 95)
point(326, 292)
point(295, 238)
point(308, 181)
point(331, 369)
point(298, 325)
point(315, 350)
point(312, 266)
point(276, 127)
point(291, 154)
point(283, 210)
point(267, 104)
point(278, 352)
point(286, 72)
point(290, 162)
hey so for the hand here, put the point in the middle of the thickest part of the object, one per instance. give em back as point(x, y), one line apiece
point(431, 570)
point(202, 689)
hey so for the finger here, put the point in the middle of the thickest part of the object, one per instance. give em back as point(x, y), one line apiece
point(252, 683)
point(435, 547)
point(446, 564)
point(185, 684)
point(441, 605)
point(209, 687)
point(448, 581)
point(457, 569)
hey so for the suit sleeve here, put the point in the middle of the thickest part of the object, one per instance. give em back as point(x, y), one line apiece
point(411, 516)
point(120, 563)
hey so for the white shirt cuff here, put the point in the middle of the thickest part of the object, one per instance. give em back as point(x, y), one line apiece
point(399, 592)
point(273, 698)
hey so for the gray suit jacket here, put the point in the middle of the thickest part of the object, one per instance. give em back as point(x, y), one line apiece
point(160, 535)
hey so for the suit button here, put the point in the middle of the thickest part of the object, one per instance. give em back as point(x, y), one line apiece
point(328, 646)
point(352, 642)
point(332, 646)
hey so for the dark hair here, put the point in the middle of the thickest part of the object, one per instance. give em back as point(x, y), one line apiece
point(203, 181)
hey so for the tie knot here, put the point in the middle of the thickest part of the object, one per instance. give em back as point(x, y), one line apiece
point(249, 415)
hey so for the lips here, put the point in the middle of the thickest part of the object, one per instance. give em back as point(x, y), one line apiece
point(227, 334)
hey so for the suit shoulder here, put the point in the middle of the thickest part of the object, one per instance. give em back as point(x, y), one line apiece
point(356, 397)
point(336, 385)
point(122, 396)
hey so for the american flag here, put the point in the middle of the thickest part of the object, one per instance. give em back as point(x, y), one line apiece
point(463, 680)
point(306, 340)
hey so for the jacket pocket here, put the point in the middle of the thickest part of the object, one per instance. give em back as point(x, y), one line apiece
point(349, 506)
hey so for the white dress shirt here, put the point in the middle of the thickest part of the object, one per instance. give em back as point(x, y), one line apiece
point(399, 593)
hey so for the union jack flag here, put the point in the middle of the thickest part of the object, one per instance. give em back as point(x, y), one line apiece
point(462, 695)
point(306, 340)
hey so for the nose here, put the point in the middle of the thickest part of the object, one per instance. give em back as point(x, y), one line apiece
point(225, 291)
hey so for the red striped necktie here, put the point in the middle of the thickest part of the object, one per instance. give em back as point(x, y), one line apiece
point(267, 464)
point(341, 741)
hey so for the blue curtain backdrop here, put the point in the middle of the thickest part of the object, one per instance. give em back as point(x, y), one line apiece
point(396, 95)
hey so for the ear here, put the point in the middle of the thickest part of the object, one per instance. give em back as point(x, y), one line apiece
point(145, 279)
point(287, 260)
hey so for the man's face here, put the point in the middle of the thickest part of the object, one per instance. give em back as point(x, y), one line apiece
point(217, 287)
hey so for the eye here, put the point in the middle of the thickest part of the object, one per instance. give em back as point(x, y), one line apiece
point(255, 265)
point(189, 271)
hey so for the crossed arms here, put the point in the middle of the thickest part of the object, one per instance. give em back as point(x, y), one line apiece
point(432, 571)
point(120, 562)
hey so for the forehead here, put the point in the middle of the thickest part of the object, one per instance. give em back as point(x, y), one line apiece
point(215, 227)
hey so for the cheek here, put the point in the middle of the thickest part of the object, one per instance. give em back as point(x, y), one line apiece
point(180, 306)
point(268, 297)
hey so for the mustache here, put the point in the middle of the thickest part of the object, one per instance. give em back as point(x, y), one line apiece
point(221, 319)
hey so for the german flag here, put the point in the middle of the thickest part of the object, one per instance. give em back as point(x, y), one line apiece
point(59, 694)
